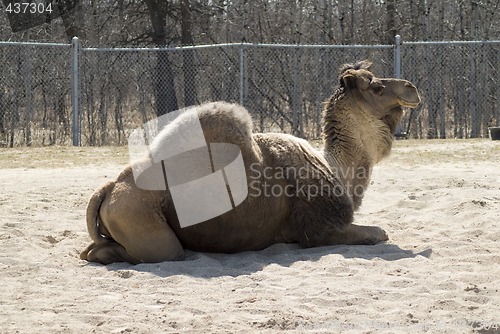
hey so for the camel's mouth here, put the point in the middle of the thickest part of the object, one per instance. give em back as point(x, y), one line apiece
point(409, 104)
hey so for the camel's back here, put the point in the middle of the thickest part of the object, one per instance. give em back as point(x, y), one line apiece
point(286, 151)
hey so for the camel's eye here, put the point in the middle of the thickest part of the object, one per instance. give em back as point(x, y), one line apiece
point(377, 87)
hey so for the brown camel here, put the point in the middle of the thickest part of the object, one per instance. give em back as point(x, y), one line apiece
point(296, 194)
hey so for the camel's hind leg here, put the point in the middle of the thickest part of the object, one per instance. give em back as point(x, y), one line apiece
point(141, 247)
point(106, 253)
point(354, 234)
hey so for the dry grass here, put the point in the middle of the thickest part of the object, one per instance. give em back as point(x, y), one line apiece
point(62, 156)
point(419, 152)
point(405, 152)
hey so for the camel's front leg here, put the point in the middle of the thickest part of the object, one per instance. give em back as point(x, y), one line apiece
point(354, 234)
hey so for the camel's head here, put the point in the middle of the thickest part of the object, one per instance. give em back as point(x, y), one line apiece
point(381, 97)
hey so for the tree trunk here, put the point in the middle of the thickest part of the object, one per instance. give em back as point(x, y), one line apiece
point(496, 105)
point(188, 55)
point(163, 78)
point(473, 104)
point(423, 13)
point(441, 92)
point(103, 114)
point(353, 29)
point(343, 39)
point(73, 19)
point(28, 93)
point(391, 21)
point(413, 21)
point(460, 117)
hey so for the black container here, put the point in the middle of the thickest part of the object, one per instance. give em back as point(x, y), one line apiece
point(495, 133)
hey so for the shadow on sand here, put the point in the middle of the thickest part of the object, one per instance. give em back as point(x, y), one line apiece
point(209, 265)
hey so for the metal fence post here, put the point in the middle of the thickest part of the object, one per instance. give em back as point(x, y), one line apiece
point(27, 73)
point(397, 57)
point(397, 74)
point(75, 91)
point(242, 74)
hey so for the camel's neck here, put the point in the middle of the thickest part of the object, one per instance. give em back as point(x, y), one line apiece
point(342, 144)
point(350, 153)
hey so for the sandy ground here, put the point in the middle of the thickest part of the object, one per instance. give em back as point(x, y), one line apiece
point(439, 273)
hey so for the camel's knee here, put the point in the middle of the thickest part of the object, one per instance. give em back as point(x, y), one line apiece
point(360, 235)
point(150, 246)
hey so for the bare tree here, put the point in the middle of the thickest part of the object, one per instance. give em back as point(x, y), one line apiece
point(165, 97)
point(391, 21)
point(188, 67)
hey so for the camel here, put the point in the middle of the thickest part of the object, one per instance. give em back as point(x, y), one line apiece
point(320, 189)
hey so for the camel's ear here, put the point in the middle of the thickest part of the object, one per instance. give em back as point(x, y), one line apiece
point(348, 81)
point(365, 64)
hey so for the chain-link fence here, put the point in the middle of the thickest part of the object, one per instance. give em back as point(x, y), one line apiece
point(459, 83)
point(123, 88)
point(110, 92)
point(34, 94)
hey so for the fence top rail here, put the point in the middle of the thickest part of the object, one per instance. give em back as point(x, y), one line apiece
point(245, 45)
point(256, 45)
point(323, 46)
point(450, 42)
point(35, 44)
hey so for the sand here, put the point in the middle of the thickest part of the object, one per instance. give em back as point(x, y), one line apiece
point(439, 273)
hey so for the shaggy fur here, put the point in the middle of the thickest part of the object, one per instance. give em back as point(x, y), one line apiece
point(134, 225)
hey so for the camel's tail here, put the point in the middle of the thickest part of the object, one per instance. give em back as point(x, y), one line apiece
point(93, 216)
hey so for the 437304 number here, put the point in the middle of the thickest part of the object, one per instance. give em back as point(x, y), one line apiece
point(28, 7)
